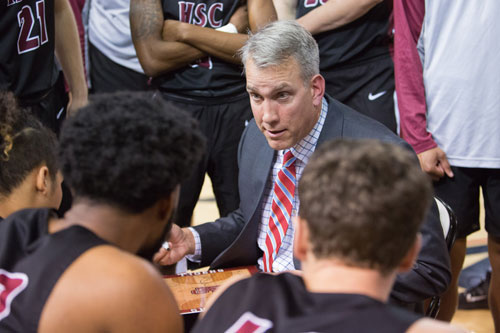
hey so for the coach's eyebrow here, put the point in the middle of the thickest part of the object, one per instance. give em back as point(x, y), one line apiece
point(282, 86)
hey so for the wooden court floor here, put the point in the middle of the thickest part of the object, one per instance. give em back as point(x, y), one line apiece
point(478, 321)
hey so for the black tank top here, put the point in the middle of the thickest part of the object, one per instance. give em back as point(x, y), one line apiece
point(356, 42)
point(281, 303)
point(27, 65)
point(31, 262)
point(210, 77)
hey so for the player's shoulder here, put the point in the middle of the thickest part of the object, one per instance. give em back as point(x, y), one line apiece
point(426, 325)
point(105, 289)
point(119, 270)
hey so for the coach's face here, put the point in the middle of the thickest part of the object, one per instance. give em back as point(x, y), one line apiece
point(285, 107)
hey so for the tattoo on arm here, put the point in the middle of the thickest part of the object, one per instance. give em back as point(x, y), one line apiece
point(146, 19)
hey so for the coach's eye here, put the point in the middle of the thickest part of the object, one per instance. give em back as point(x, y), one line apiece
point(283, 95)
point(255, 97)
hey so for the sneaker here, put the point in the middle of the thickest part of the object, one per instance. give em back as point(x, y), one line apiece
point(475, 297)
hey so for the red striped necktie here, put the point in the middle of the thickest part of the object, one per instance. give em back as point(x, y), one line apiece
point(281, 209)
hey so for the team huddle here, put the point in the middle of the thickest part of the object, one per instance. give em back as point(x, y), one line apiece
point(292, 119)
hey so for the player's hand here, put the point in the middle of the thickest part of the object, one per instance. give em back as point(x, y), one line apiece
point(75, 102)
point(240, 19)
point(435, 163)
point(181, 243)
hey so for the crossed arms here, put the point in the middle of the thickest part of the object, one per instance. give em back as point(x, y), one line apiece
point(163, 46)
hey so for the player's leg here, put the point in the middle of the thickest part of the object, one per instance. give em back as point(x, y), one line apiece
point(491, 194)
point(462, 194)
point(494, 291)
point(228, 124)
point(449, 299)
point(191, 187)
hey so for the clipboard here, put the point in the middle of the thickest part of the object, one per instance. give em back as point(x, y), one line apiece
point(192, 289)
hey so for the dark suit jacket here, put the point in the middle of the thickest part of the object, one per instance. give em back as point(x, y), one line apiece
point(232, 241)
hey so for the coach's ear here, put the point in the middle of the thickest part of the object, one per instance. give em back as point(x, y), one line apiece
point(317, 86)
point(412, 254)
point(301, 238)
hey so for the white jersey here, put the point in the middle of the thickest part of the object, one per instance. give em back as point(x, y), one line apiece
point(459, 47)
point(109, 32)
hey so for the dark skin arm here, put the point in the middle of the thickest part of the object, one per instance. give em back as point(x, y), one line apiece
point(221, 44)
point(156, 55)
point(183, 43)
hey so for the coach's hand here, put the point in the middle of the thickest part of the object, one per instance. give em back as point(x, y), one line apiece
point(181, 243)
point(435, 163)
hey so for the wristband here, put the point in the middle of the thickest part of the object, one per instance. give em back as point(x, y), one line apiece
point(230, 28)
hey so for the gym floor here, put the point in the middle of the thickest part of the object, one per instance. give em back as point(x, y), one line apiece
point(478, 321)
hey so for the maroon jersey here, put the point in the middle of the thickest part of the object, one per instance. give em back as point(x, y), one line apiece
point(358, 41)
point(31, 263)
point(281, 303)
point(27, 64)
point(210, 76)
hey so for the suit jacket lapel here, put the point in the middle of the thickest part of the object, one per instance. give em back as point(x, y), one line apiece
point(334, 122)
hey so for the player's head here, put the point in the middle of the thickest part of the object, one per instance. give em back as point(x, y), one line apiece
point(28, 157)
point(283, 81)
point(128, 150)
point(363, 203)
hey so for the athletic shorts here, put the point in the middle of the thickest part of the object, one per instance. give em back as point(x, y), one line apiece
point(367, 88)
point(107, 76)
point(462, 194)
point(50, 106)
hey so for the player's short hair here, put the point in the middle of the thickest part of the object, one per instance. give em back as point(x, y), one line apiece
point(128, 150)
point(277, 42)
point(364, 202)
point(25, 144)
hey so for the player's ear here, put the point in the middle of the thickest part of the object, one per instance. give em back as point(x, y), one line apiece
point(412, 254)
point(42, 181)
point(301, 238)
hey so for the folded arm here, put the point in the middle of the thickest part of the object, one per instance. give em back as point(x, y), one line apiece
point(331, 15)
point(220, 44)
point(285, 9)
point(156, 55)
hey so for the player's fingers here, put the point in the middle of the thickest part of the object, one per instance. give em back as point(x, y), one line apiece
point(446, 167)
point(436, 172)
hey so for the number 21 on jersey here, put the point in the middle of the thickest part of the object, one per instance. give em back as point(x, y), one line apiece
point(28, 40)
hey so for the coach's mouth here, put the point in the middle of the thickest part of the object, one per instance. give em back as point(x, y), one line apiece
point(275, 134)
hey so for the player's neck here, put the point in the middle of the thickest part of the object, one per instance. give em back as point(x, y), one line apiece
point(328, 276)
point(21, 197)
point(111, 224)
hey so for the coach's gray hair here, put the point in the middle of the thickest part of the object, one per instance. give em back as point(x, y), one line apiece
point(277, 42)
